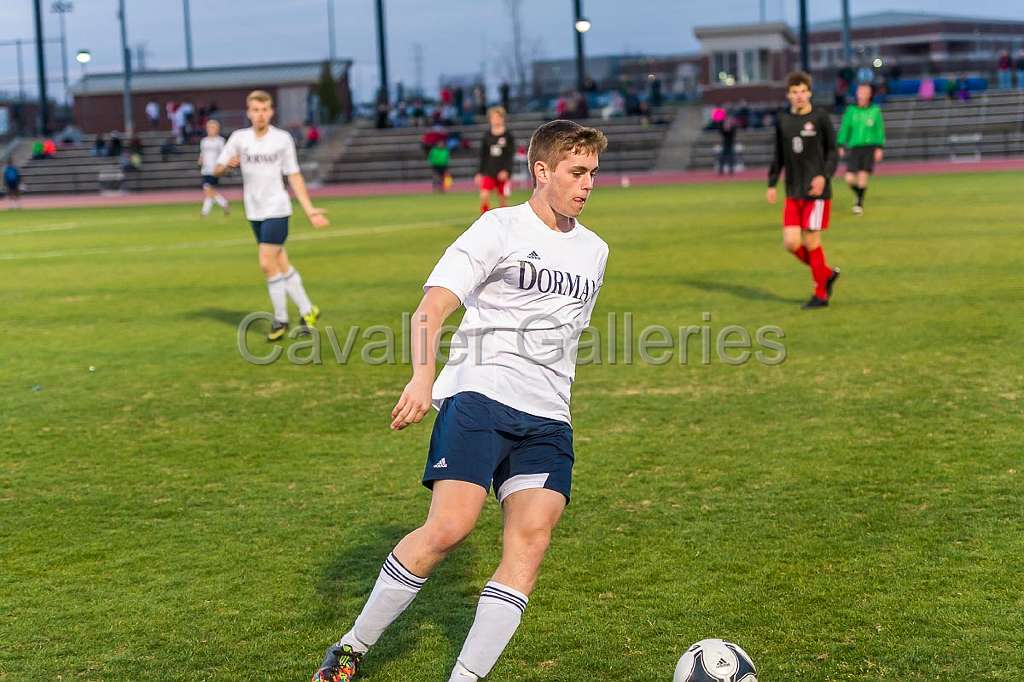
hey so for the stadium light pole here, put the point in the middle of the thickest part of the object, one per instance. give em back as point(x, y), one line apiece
point(581, 26)
point(847, 49)
point(21, 73)
point(62, 7)
point(83, 57)
point(44, 105)
point(126, 57)
point(382, 55)
point(805, 62)
point(188, 35)
point(332, 46)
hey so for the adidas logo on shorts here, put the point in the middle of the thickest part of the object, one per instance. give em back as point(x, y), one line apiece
point(441, 465)
point(534, 255)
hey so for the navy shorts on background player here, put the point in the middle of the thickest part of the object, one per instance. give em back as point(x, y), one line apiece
point(210, 181)
point(271, 230)
point(482, 441)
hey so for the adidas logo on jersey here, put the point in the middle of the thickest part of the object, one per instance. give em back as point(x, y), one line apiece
point(441, 465)
point(534, 255)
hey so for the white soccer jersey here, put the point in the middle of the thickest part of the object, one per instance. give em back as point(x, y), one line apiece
point(529, 292)
point(209, 151)
point(264, 161)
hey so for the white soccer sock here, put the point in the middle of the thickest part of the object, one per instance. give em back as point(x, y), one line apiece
point(278, 298)
point(293, 283)
point(207, 205)
point(497, 617)
point(221, 201)
point(395, 589)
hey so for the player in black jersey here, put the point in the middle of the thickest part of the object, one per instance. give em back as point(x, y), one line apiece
point(497, 154)
point(805, 147)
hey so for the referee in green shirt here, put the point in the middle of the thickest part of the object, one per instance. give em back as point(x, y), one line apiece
point(861, 138)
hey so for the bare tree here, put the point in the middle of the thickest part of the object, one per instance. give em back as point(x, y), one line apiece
point(514, 8)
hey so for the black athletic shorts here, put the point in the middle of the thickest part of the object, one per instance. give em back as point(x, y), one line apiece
point(860, 159)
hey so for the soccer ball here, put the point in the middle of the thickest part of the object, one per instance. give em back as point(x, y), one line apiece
point(715, 660)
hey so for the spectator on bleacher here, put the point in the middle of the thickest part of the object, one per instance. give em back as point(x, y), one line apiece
point(1003, 66)
point(12, 183)
point(430, 138)
point(49, 148)
point(37, 150)
point(169, 109)
point(926, 91)
point(727, 154)
point(581, 106)
point(312, 136)
point(115, 146)
point(718, 116)
point(962, 92)
point(865, 74)
point(99, 147)
point(153, 114)
point(562, 105)
point(459, 100)
point(70, 135)
point(136, 144)
point(446, 95)
point(616, 106)
point(504, 94)
point(479, 100)
point(419, 113)
point(842, 89)
point(1020, 69)
point(167, 148)
point(654, 95)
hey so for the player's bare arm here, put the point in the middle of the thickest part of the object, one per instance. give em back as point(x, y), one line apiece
point(436, 306)
point(222, 168)
point(817, 186)
point(317, 216)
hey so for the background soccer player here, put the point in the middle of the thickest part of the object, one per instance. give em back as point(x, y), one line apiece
point(861, 138)
point(497, 154)
point(265, 153)
point(210, 148)
point(805, 146)
point(529, 277)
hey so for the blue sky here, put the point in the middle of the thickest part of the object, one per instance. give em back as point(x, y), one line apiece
point(457, 36)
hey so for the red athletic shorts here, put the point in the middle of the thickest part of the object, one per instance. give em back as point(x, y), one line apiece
point(504, 187)
point(809, 214)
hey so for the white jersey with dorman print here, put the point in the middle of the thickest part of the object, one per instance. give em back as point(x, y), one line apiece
point(264, 161)
point(529, 292)
point(209, 152)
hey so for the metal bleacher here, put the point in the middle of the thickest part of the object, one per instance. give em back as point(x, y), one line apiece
point(360, 153)
point(989, 124)
point(372, 155)
point(76, 170)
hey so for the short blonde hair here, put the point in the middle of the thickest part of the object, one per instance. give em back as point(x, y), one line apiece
point(555, 140)
point(260, 96)
point(500, 111)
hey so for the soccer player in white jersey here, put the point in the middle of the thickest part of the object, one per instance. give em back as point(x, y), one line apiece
point(210, 148)
point(528, 277)
point(265, 154)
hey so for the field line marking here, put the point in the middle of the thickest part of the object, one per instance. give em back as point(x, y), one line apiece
point(222, 243)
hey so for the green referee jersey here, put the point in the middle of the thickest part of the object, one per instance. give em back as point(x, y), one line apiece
point(862, 127)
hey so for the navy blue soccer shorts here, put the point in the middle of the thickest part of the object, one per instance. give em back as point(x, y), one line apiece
point(271, 230)
point(210, 181)
point(482, 441)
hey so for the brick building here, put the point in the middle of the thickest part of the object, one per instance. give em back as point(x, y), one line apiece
point(98, 105)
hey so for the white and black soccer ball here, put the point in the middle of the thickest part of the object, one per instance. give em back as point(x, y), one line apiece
point(715, 660)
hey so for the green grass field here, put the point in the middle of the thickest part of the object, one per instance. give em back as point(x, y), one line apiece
point(855, 513)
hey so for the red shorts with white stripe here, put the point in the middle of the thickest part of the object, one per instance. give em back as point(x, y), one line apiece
point(808, 214)
point(488, 183)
